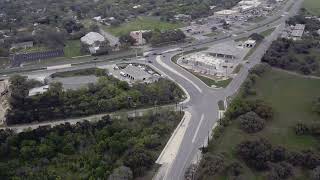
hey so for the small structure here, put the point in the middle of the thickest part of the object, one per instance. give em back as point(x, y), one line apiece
point(38, 90)
point(297, 31)
point(226, 13)
point(138, 36)
point(136, 73)
point(94, 41)
point(22, 45)
point(250, 43)
point(182, 17)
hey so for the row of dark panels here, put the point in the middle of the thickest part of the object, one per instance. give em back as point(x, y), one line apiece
point(18, 59)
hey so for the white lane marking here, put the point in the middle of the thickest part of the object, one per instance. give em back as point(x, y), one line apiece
point(195, 135)
point(158, 59)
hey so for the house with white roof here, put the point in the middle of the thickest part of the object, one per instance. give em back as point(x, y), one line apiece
point(94, 41)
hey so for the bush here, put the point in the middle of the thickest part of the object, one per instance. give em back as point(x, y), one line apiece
point(315, 174)
point(295, 158)
point(234, 169)
point(301, 129)
point(210, 165)
point(259, 69)
point(255, 153)
point(279, 171)
point(278, 154)
point(251, 122)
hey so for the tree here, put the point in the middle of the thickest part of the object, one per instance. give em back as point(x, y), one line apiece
point(210, 165)
point(121, 173)
point(280, 171)
point(251, 122)
point(127, 40)
point(256, 153)
point(315, 174)
point(138, 160)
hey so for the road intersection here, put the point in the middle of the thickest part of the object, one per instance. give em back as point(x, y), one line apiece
point(202, 101)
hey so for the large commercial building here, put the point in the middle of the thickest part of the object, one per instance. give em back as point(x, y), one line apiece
point(218, 61)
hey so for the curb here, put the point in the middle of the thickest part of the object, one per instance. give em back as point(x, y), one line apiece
point(186, 113)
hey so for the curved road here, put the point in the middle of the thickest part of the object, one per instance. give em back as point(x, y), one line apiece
point(203, 99)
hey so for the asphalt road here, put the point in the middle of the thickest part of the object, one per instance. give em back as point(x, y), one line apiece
point(203, 99)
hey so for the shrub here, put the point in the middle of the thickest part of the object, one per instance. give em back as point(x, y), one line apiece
point(256, 153)
point(315, 174)
point(251, 122)
point(210, 165)
point(279, 171)
point(301, 129)
point(278, 154)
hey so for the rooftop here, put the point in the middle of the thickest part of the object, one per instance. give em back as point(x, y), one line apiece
point(92, 37)
point(38, 90)
point(136, 72)
point(228, 48)
point(299, 27)
point(297, 33)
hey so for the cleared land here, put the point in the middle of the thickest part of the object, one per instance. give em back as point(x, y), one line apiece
point(291, 98)
point(142, 23)
point(312, 6)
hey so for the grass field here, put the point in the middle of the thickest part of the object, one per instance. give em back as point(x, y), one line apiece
point(291, 98)
point(210, 82)
point(72, 48)
point(4, 62)
point(142, 23)
point(312, 6)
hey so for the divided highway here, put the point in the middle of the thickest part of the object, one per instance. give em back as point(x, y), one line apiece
point(203, 102)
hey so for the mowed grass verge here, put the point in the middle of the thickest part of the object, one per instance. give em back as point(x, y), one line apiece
point(142, 23)
point(312, 6)
point(291, 97)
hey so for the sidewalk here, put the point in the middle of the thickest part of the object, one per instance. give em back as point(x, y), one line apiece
point(171, 149)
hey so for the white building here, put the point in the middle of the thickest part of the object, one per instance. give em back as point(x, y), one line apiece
point(250, 43)
point(297, 31)
point(226, 13)
point(38, 90)
point(136, 73)
point(93, 40)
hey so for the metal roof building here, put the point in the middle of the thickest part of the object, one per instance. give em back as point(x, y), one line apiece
point(91, 38)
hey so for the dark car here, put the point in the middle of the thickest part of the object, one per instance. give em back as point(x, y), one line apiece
point(149, 61)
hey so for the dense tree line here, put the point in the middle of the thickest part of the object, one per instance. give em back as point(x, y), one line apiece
point(107, 95)
point(106, 149)
point(157, 37)
point(293, 55)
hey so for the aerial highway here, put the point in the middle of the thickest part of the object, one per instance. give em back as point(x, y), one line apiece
point(202, 104)
point(203, 99)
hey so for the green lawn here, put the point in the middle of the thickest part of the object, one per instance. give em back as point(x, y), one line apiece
point(210, 82)
point(291, 98)
point(267, 32)
point(4, 62)
point(72, 48)
point(142, 23)
point(312, 6)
